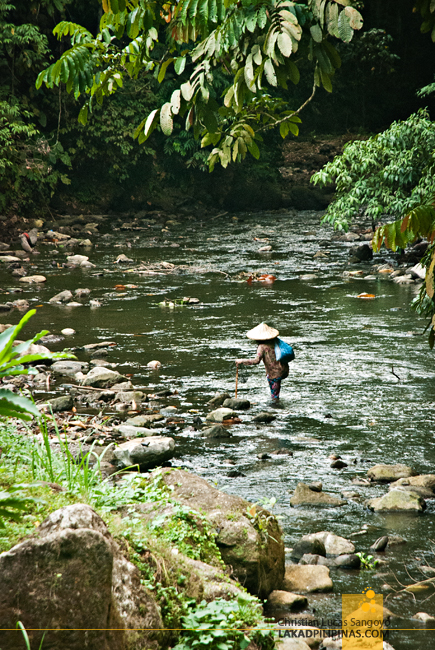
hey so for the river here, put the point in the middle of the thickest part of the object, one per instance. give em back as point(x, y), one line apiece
point(341, 396)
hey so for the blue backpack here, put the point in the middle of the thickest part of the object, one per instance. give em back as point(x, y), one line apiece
point(283, 351)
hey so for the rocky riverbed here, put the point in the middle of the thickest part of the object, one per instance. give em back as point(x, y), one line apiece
point(155, 308)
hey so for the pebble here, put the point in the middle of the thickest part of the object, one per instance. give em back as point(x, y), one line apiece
point(33, 279)
point(154, 364)
point(68, 331)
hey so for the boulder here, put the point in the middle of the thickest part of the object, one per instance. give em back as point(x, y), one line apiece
point(142, 420)
point(146, 452)
point(348, 561)
point(308, 544)
point(218, 399)
point(426, 493)
point(303, 496)
point(334, 544)
point(63, 403)
point(380, 544)
point(422, 480)
point(237, 404)
point(68, 368)
point(307, 578)
point(77, 259)
point(34, 279)
point(389, 473)
point(63, 296)
point(363, 253)
point(82, 583)
point(398, 501)
point(252, 547)
point(101, 377)
point(220, 415)
point(423, 617)
point(129, 431)
point(286, 600)
point(264, 418)
point(217, 431)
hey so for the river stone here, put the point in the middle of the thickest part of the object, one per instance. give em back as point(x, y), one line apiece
point(68, 368)
point(219, 399)
point(422, 480)
point(334, 544)
point(303, 496)
point(279, 599)
point(308, 544)
point(237, 404)
point(129, 431)
point(380, 544)
point(101, 377)
point(83, 583)
point(220, 415)
point(8, 259)
point(145, 452)
point(389, 473)
point(307, 578)
point(77, 259)
point(63, 296)
point(426, 493)
point(423, 617)
point(142, 420)
point(256, 558)
point(34, 279)
point(264, 418)
point(68, 331)
point(63, 403)
point(127, 396)
point(398, 501)
point(217, 431)
point(348, 561)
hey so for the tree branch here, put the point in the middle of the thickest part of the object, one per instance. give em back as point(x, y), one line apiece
point(271, 126)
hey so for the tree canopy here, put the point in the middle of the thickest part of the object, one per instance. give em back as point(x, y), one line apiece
point(230, 57)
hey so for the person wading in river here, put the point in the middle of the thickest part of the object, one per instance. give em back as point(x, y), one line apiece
point(276, 371)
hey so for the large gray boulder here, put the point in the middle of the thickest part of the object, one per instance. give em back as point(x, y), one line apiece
point(72, 576)
point(100, 377)
point(388, 473)
point(146, 452)
point(304, 496)
point(251, 545)
point(397, 501)
point(334, 544)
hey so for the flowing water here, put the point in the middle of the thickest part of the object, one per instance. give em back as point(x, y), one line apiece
point(341, 396)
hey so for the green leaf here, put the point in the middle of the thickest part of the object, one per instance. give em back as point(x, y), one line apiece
point(162, 70)
point(355, 18)
point(316, 33)
point(187, 91)
point(22, 407)
point(166, 121)
point(344, 29)
point(285, 44)
point(83, 115)
point(180, 64)
point(269, 71)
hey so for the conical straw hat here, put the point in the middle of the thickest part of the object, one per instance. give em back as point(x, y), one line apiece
point(262, 333)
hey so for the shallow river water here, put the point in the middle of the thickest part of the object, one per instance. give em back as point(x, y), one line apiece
point(341, 396)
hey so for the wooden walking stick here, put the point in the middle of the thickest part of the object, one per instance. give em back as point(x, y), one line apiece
point(237, 377)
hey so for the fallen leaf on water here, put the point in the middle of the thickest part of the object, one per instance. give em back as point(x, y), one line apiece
point(366, 296)
point(119, 287)
point(416, 587)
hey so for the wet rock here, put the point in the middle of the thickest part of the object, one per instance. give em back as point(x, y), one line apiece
point(99, 354)
point(380, 544)
point(417, 272)
point(263, 456)
point(63, 403)
point(218, 431)
point(68, 331)
point(303, 496)
point(20, 272)
point(220, 415)
point(426, 493)
point(34, 279)
point(68, 368)
point(154, 364)
point(235, 473)
point(312, 558)
point(95, 303)
point(308, 544)
point(334, 544)
point(348, 561)
point(95, 587)
point(349, 236)
point(308, 276)
point(128, 396)
point(264, 418)
point(388, 473)
point(279, 599)
point(77, 260)
point(129, 431)
point(237, 404)
point(74, 304)
point(142, 420)
point(82, 293)
point(423, 617)
point(256, 559)
point(282, 452)
point(316, 486)
point(101, 377)
point(6, 306)
point(265, 249)
point(124, 385)
point(63, 296)
point(307, 579)
point(146, 452)
point(396, 540)
point(123, 259)
point(338, 464)
point(7, 259)
point(362, 253)
point(422, 480)
point(397, 501)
